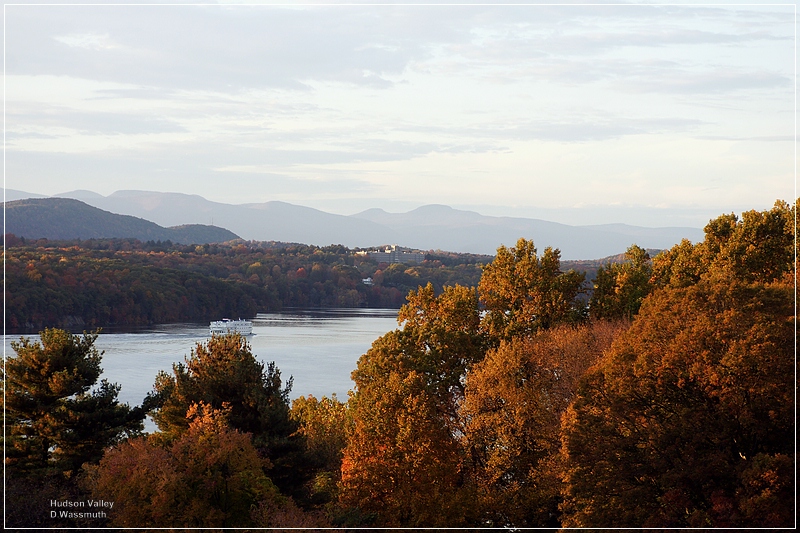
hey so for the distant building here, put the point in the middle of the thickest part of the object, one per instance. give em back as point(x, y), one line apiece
point(394, 254)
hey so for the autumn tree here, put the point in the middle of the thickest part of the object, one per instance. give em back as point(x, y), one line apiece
point(402, 460)
point(223, 371)
point(619, 288)
point(515, 398)
point(523, 293)
point(758, 248)
point(446, 333)
point(401, 466)
point(325, 424)
point(210, 476)
point(53, 420)
point(689, 420)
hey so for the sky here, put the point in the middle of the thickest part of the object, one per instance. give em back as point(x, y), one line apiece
point(656, 115)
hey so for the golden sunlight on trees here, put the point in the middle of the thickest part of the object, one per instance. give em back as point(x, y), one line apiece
point(689, 420)
point(325, 425)
point(757, 248)
point(523, 293)
point(619, 288)
point(408, 453)
point(522, 413)
point(402, 461)
point(514, 401)
point(402, 465)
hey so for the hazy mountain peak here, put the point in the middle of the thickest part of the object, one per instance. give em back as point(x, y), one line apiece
point(134, 193)
point(14, 194)
point(433, 208)
point(79, 194)
point(372, 211)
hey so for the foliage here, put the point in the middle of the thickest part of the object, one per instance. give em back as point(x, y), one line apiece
point(523, 293)
point(224, 373)
point(401, 464)
point(619, 288)
point(498, 406)
point(515, 398)
point(211, 476)
point(53, 419)
point(124, 281)
point(445, 333)
point(403, 460)
point(325, 425)
point(758, 248)
point(689, 420)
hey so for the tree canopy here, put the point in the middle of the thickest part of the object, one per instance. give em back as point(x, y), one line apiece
point(523, 293)
point(688, 422)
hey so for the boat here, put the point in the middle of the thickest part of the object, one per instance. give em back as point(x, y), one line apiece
point(226, 325)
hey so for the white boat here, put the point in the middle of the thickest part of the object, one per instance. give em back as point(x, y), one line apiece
point(226, 325)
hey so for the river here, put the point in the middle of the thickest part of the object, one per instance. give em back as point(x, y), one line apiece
point(319, 348)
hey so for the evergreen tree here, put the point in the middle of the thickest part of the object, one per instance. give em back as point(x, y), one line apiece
point(53, 419)
point(224, 374)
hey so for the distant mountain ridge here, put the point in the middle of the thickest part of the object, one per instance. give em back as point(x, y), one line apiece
point(67, 218)
point(430, 227)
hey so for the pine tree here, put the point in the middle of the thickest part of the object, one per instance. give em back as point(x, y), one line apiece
point(53, 419)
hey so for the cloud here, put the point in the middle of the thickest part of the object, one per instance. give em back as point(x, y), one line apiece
point(71, 121)
point(89, 41)
point(685, 81)
point(325, 98)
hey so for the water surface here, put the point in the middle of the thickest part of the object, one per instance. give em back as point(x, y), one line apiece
point(318, 347)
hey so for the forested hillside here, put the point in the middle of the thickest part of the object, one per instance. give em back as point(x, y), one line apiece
point(66, 218)
point(127, 282)
point(667, 402)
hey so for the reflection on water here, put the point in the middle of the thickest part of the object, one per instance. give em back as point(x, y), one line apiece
point(318, 347)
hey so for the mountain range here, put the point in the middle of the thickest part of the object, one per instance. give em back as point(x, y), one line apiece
point(429, 227)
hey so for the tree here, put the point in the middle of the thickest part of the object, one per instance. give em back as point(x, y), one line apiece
point(619, 288)
point(401, 465)
point(224, 372)
point(447, 340)
point(758, 248)
point(53, 419)
point(402, 462)
point(514, 401)
point(211, 476)
point(523, 293)
point(689, 420)
point(325, 424)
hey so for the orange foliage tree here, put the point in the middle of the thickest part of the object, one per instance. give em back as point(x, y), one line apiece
point(514, 401)
point(211, 476)
point(522, 292)
point(402, 462)
point(689, 420)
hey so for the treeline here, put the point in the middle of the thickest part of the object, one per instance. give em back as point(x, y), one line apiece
point(667, 402)
point(128, 282)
